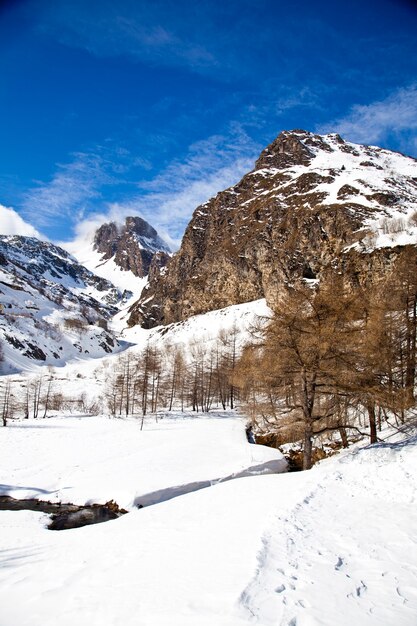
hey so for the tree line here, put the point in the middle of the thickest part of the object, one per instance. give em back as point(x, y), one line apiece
point(195, 377)
point(198, 378)
point(334, 352)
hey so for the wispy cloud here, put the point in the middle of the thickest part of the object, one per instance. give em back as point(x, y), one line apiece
point(12, 224)
point(149, 31)
point(71, 189)
point(168, 200)
point(395, 117)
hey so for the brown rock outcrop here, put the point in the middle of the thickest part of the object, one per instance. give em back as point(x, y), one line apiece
point(132, 245)
point(283, 221)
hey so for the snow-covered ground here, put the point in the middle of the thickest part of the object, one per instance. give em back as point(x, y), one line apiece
point(95, 459)
point(204, 328)
point(335, 546)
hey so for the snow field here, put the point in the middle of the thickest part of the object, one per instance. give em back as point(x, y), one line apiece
point(333, 546)
point(95, 459)
point(346, 552)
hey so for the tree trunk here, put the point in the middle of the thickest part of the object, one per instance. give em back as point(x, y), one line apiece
point(372, 422)
point(343, 436)
point(411, 349)
point(308, 448)
point(308, 392)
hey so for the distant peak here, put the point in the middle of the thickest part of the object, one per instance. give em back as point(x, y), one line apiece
point(132, 245)
point(112, 233)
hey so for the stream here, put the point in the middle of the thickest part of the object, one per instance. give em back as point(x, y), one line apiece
point(65, 516)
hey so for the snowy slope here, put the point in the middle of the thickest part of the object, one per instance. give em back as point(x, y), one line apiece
point(124, 280)
point(348, 171)
point(368, 177)
point(333, 546)
point(52, 308)
point(205, 327)
point(129, 285)
point(342, 547)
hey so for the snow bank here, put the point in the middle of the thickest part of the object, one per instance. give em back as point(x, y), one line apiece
point(95, 459)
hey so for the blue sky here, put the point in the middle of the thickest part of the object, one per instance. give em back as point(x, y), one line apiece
point(110, 108)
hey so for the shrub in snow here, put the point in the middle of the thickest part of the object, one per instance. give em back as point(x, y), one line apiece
point(391, 226)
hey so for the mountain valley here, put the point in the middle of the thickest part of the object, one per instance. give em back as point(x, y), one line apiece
point(139, 380)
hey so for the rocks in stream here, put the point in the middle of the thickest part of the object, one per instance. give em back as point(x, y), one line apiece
point(94, 514)
point(65, 516)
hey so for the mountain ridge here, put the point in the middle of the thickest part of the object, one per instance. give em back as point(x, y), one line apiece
point(53, 308)
point(57, 303)
point(310, 201)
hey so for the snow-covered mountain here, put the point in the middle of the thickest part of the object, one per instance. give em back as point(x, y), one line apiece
point(310, 202)
point(56, 303)
point(52, 308)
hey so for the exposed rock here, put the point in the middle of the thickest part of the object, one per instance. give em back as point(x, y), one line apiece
point(65, 516)
point(346, 191)
point(282, 222)
point(34, 352)
point(132, 245)
point(286, 150)
point(159, 261)
point(386, 199)
point(370, 164)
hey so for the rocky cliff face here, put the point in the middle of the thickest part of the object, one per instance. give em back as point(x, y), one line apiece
point(132, 245)
point(309, 202)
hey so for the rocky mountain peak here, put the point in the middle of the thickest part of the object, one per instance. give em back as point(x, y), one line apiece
point(289, 148)
point(311, 201)
point(300, 147)
point(141, 228)
point(131, 244)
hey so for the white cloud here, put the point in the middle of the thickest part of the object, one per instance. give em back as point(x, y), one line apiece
point(12, 224)
point(375, 123)
point(71, 189)
point(168, 201)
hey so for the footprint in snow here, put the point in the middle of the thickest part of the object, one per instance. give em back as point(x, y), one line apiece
point(361, 589)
